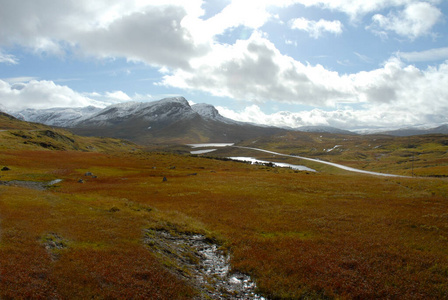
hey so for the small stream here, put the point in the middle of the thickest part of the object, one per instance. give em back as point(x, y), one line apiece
point(200, 261)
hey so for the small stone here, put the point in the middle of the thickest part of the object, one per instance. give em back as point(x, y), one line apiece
point(80, 181)
point(164, 179)
point(6, 169)
point(114, 209)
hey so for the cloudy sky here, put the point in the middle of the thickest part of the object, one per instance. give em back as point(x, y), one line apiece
point(345, 63)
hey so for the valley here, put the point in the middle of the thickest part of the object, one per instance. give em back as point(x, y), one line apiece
point(328, 234)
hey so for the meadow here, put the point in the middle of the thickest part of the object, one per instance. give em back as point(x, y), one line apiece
point(299, 235)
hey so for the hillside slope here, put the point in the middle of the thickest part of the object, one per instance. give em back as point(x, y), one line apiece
point(20, 135)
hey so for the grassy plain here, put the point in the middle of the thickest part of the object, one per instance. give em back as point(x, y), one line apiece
point(298, 234)
point(424, 155)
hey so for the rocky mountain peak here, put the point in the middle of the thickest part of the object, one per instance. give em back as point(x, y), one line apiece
point(206, 110)
point(179, 100)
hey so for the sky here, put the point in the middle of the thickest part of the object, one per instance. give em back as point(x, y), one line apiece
point(350, 64)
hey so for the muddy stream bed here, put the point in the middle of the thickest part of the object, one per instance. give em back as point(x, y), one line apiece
point(197, 259)
point(35, 185)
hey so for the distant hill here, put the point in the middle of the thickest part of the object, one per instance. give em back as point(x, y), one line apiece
point(61, 117)
point(327, 129)
point(16, 134)
point(443, 129)
point(170, 120)
point(8, 121)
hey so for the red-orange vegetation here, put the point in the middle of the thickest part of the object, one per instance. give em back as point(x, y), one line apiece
point(299, 235)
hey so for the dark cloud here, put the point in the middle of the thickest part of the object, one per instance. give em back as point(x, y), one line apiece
point(154, 36)
point(150, 34)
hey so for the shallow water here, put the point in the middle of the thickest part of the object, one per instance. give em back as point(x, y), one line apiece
point(206, 145)
point(202, 151)
point(35, 185)
point(276, 164)
point(203, 264)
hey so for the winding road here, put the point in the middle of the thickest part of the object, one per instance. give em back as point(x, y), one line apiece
point(324, 162)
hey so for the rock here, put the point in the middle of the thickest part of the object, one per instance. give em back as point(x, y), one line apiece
point(114, 209)
point(164, 179)
point(53, 243)
point(81, 181)
point(88, 174)
point(6, 169)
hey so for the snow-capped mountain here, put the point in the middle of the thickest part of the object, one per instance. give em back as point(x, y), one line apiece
point(60, 116)
point(209, 112)
point(168, 120)
point(163, 111)
point(443, 129)
point(327, 129)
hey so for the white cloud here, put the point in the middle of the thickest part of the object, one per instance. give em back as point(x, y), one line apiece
point(173, 36)
point(383, 116)
point(17, 95)
point(8, 59)
point(364, 58)
point(169, 33)
point(155, 37)
point(118, 96)
point(137, 30)
point(290, 42)
point(415, 20)
point(40, 94)
point(20, 79)
point(427, 55)
point(404, 85)
point(255, 70)
point(356, 9)
point(315, 29)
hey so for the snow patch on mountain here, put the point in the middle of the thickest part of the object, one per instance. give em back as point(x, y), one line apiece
point(168, 109)
point(327, 129)
point(209, 112)
point(59, 116)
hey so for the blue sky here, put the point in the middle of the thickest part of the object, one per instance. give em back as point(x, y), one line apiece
point(349, 64)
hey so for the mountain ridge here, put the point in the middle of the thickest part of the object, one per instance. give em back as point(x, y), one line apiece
point(442, 129)
point(171, 120)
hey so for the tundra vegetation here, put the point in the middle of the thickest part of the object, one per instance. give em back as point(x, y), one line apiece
point(326, 234)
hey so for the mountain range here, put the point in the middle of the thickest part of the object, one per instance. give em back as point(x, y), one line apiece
point(170, 120)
